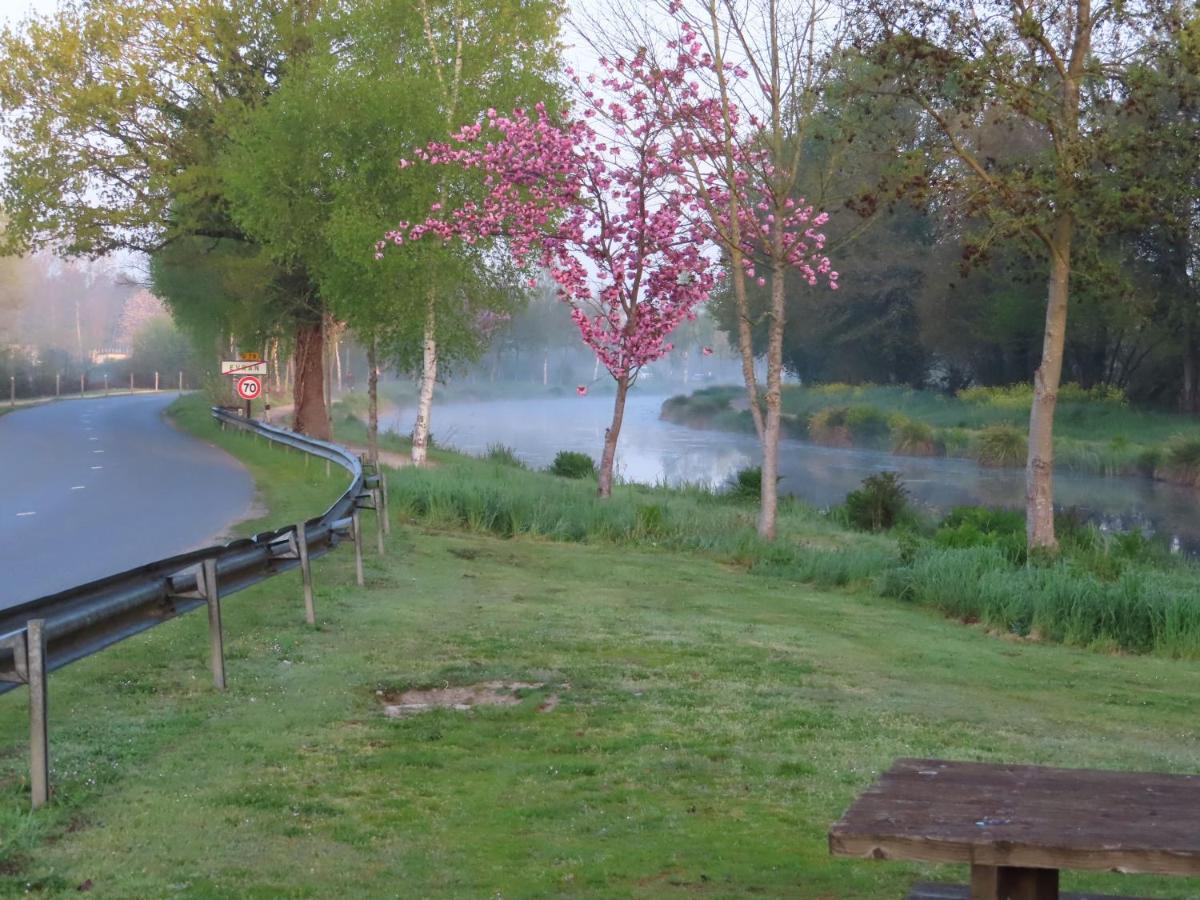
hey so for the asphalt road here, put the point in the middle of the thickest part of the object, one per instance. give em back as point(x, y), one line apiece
point(90, 488)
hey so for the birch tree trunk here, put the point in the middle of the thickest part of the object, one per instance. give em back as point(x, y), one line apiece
point(373, 401)
point(768, 509)
point(310, 415)
point(1039, 467)
point(429, 362)
point(609, 456)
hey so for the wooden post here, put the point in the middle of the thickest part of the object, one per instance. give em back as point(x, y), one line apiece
point(383, 492)
point(39, 734)
point(81, 379)
point(12, 390)
point(131, 382)
point(310, 612)
point(326, 468)
point(105, 384)
point(212, 594)
point(356, 524)
point(156, 382)
point(1012, 883)
point(181, 382)
point(57, 384)
point(377, 497)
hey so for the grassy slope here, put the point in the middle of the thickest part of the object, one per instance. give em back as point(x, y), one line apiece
point(714, 725)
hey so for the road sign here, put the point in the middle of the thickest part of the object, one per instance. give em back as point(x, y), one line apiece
point(249, 387)
point(243, 367)
point(251, 357)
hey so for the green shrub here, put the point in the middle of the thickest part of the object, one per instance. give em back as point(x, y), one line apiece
point(746, 484)
point(505, 456)
point(869, 426)
point(572, 464)
point(1182, 459)
point(878, 504)
point(982, 526)
point(913, 438)
point(1001, 445)
point(1149, 460)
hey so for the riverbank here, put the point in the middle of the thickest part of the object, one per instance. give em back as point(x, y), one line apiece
point(1095, 432)
point(707, 724)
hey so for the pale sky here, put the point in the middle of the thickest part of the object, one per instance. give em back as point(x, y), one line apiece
point(13, 11)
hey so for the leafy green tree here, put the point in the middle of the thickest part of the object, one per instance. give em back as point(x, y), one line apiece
point(1044, 67)
point(312, 173)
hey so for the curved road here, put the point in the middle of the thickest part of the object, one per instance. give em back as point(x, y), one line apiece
point(90, 488)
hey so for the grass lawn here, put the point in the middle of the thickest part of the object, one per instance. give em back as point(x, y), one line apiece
point(711, 725)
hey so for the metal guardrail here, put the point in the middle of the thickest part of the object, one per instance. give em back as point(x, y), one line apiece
point(43, 635)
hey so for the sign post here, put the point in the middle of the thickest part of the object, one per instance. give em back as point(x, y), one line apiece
point(248, 371)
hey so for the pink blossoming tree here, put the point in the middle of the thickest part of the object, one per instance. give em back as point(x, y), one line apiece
point(599, 202)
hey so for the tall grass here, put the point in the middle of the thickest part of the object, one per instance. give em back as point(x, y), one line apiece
point(1104, 592)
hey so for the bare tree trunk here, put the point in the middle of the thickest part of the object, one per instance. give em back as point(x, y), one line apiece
point(327, 359)
point(310, 415)
point(746, 349)
point(429, 363)
point(1039, 468)
point(611, 433)
point(278, 375)
point(373, 401)
point(769, 497)
point(337, 357)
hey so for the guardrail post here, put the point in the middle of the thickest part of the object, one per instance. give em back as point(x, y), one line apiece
point(310, 612)
point(326, 468)
point(377, 499)
point(356, 527)
point(212, 595)
point(39, 734)
point(383, 492)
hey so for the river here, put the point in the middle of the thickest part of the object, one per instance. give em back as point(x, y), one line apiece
point(652, 451)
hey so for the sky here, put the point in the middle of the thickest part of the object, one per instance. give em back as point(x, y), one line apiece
point(13, 11)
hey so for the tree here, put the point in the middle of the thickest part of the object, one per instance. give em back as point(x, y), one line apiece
point(567, 196)
point(113, 141)
point(311, 173)
point(744, 157)
point(1043, 67)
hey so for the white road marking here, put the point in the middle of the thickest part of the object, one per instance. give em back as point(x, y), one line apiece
point(93, 439)
point(19, 515)
point(78, 487)
point(97, 451)
point(94, 468)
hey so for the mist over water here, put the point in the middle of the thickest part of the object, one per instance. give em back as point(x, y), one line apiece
point(655, 452)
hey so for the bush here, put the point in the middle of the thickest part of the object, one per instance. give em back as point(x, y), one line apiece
point(913, 438)
point(828, 426)
point(1149, 460)
point(1001, 445)
point(505, 456)
point(981, 526)
point(572, 464)
point(878, 504)
point(746, 484)
point(1182, 459)
point(869, 426)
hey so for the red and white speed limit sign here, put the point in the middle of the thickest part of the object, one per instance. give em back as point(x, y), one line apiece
point(249, 387)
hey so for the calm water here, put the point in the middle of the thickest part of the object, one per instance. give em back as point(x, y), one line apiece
point(653, 451)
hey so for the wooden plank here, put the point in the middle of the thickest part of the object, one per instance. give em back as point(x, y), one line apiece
point(1026, 816)
point(938, 891)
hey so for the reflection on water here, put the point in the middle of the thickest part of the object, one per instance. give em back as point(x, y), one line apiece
point(653, 451)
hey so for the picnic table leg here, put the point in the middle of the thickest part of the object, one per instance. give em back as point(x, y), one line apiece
point(1013, 883)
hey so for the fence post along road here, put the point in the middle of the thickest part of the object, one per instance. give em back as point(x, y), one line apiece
point(43, 635)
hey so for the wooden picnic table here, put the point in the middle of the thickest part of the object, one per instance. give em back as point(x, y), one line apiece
point(1017, 826)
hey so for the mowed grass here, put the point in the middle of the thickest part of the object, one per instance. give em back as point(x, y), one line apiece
point(711, 725)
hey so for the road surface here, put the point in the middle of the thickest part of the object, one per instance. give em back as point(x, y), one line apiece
point(90, 488)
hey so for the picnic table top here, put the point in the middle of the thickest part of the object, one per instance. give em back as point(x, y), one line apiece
point(1026, 816)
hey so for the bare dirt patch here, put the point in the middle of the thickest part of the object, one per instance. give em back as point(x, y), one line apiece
point(461, 697)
